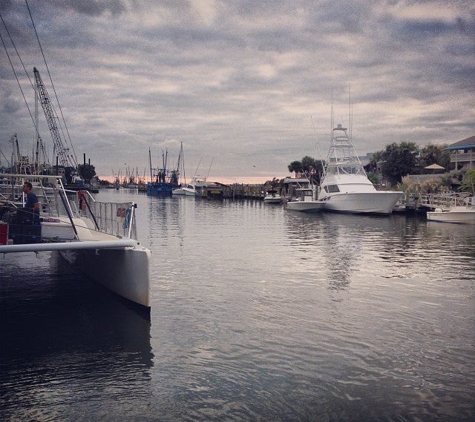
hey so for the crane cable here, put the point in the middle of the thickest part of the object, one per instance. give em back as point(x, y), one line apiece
point(52, 84)
point(13, 69)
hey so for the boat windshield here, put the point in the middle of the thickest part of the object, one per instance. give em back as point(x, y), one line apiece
point(339, 169)
point(331, 189)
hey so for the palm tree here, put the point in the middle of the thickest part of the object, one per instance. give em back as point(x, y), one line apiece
point(295, 167)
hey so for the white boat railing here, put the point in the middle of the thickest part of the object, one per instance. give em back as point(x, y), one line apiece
point(117, 219)
point(447, 201)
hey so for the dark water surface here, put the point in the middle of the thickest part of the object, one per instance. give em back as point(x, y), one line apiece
point(258, 314)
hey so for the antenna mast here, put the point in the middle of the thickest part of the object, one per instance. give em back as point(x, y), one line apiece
point(350, 113)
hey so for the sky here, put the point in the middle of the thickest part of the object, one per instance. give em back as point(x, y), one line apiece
point(245, 86)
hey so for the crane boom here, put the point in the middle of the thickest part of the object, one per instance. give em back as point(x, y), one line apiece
point(64, 158)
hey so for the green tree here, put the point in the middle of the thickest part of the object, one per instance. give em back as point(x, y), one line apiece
point(313, 169)
point(295, 167)
point(468, 182)
point(373, 177)
point(308, 164)
point(86, 172)
point(435, 154)
point(399, 161)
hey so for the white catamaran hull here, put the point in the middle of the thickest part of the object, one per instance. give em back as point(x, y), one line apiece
point(377, 202)
point(123, 271)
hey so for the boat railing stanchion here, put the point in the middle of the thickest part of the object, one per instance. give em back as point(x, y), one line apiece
point(67, 207)
point(132, 218)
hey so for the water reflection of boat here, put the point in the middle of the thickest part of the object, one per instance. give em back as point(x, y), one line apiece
point(59, 337)
point(345, 187)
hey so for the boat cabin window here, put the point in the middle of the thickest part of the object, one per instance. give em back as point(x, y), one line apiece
point(331, 189)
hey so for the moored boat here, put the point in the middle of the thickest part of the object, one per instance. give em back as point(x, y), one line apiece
point(272, 197)
point(459, 215)
point(162, 181)
point(160, 189)
point(345, 186)
point(305, 201)
point(98, 239)
point(458, 210)
point(187, 190)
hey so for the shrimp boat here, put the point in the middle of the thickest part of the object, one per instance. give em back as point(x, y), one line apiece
point(99, 239)
point(345, 186)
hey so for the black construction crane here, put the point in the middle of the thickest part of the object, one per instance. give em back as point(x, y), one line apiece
point(62, 152)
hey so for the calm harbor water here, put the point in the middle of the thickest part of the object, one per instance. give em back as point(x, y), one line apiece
point(258, 314)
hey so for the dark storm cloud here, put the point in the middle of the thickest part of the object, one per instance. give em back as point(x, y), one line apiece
point(91, 7)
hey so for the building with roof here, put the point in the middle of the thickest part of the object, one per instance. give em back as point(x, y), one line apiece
point(463, 153)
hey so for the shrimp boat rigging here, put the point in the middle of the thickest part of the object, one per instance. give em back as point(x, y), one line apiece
point(162, 181)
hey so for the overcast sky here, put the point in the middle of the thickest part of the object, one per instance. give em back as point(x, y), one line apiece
point(244, 84)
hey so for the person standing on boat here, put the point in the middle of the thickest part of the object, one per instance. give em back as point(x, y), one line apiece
point(32, 205)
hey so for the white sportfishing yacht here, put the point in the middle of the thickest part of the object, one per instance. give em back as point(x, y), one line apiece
point(187, 190)
point(97, 238)
point(345, 186)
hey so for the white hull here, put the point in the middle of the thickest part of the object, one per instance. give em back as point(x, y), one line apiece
point(178, 191)
point(375, 202)
point(122, 271)
point(305, 206)
point(184, 192)
point(457, 215)
point(189, 191)
point(273, 200)
point(120, 265)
